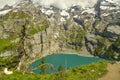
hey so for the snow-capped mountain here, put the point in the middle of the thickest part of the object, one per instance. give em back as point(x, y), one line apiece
point(65, 7)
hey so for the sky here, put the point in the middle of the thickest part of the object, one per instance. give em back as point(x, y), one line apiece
point(62, 4)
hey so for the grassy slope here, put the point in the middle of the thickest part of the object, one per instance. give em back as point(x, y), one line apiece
point(86, 72)
point(6, 43)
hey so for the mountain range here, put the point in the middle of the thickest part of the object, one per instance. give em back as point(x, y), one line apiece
point(30, 29)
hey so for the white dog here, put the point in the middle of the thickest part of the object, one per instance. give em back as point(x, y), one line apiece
point(7, 72)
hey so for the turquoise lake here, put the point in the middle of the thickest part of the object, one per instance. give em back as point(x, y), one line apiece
point(53, 61)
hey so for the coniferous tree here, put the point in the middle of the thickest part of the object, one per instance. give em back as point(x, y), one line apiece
point(60, 68)
point(43, 66)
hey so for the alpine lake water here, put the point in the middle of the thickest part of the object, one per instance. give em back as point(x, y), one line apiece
point(53, 61)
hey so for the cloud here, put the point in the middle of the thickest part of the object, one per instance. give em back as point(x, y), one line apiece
point(9, 2)
point(63, 4)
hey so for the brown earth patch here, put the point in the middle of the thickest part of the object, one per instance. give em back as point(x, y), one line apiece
point(113, 72)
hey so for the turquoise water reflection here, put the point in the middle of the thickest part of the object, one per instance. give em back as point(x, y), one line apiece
point(66, 60)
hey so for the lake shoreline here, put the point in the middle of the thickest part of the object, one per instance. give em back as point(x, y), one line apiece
point(79, 54)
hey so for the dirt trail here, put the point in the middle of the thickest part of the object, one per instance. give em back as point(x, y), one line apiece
point(113, 72)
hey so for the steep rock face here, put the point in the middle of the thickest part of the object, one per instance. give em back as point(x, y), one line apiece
point(19, 28)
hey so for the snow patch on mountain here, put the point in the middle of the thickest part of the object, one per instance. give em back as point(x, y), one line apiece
point(89, 11)
point(47, 12)
point(64, 13)
point(4, 12)
point(62, 19)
